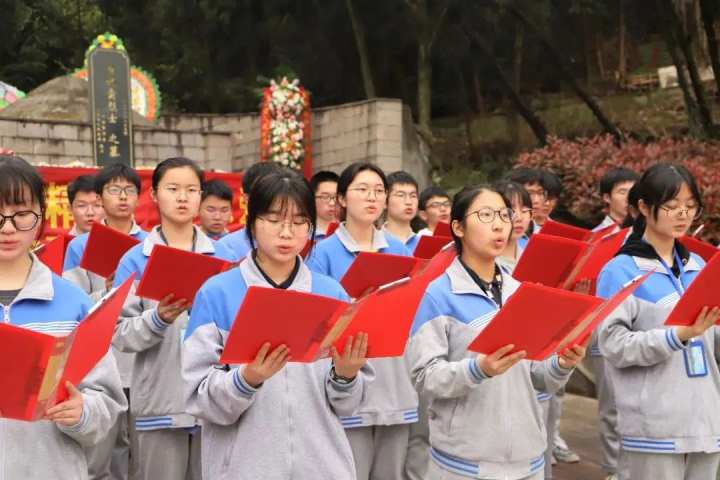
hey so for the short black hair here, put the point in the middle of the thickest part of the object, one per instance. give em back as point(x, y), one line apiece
point(524, 176)
point(462, 202)
point(322, 177)
point(176, 162)
point(285, 185)
point(430, 192)
point(348, 175)
point(116, 171)
point(83, 183)
point(551, 183)
point(401, 177)
point(514, 191)
point(257, 171)
point(16, 175)
point(662, 182)
point(615, 176)
point(217, 188)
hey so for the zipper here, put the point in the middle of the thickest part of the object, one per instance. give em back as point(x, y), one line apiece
point(6, 312)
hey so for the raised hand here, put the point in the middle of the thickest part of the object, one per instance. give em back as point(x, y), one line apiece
point(265, 365)
point(500, 361)
point(353, 357)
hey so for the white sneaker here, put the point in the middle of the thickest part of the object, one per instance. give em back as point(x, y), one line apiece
point(612, 476)
point(565, 455)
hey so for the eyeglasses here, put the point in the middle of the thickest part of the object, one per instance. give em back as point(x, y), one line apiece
point(405, 195)
point(22, 221)
point(694, 211)
point(487, 214)
point(116, 191)
point(176, 190)
point(537, 193)
point(365, 191)
point(438, 205)
point(325, 198)
point(298, 227)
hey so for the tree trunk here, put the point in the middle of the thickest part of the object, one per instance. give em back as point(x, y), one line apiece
point(565, 73)
point(359, 33)
point(479, 100)
point(518, 57)
point(708, 12)
point(622, 59)
point(424, 87)
point(600, 61)
point(528, 115)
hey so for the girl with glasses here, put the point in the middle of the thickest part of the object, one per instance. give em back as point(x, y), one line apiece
point(271, 418)
point(32, 297)
point(666, 379)
point(378, 433)
point(486, 421)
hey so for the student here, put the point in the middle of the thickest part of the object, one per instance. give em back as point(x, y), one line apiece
point(402, 208)
point(532, 180)
point(614, 188)
point(118, 187)
point(238, 241)
point(33, 297)
point(378, 433)
point(152, 330)
point(324, 187)
point(284, 417)
point(666, 379)
point(486, 420)
point(520, 202)
point(434, 207)
point(85, 204)
point(216, 208)
point(553, 187)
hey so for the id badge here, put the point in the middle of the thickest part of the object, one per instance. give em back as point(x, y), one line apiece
point(695, 360)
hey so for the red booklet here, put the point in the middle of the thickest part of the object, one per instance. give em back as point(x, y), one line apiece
point(603, 232)
point(331, 228)
point(442, 229)
point(52, 253)
point(704, 249)
point(428, 246)
point(104, 249)
point(551, 227)
point(548, 259)
point(702, 292)
point(371, 270)
point(589, 264)
point(171, 270)
point(536, 319)
point(34, 366)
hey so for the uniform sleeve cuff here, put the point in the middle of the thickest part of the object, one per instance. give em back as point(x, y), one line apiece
point(241, 385)
point(557, 370)
point(673, 340)
point(79, 426)
point(476, 373)
point(157, 323)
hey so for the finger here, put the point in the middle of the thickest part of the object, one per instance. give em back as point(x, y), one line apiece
point(275, 354)
point(347, 351)
point(69, 415)
point(357, 346)
point(262, 353)
point(166, 300)
point(511, 360)
point(72, 391)
point(335, 354)
point(501, 352)
point(364, 344)
point(701, 318)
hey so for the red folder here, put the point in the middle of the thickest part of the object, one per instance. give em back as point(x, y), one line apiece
point(104, 249)
point(171, 270)
point(702, 292)
point(603, 232)
point(428, 246)
point(34, 366)
point(442, 229)
point(306, 249)
point(331, 228)
point(589, 264)
point(52, 253)
point(548, 259)
point(371, 270)
point(536, 319)
point(551, 227)
point(704, 249)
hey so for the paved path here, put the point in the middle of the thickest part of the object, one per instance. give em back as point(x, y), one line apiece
point(579, 429)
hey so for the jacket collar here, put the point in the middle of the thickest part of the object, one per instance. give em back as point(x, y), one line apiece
point(39, 285)
point(134, 230)
point(379, 241)
point(254, 277)
point(203, 243)
point(461, 282)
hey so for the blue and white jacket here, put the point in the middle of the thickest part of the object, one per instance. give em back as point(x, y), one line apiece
point(480, 427)
point(410, 243)
point(238, 243)
point(43, 449)
point(287, 428)
point(391, 399)
point(660, 408)
point(156, 384)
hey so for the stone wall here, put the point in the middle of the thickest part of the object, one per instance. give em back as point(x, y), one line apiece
point(379, 131)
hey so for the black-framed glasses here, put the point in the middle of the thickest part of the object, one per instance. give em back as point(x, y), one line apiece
point(22, 221)
point(487, 214)
point(693, 212)
point(298, 226)
point(116, 191)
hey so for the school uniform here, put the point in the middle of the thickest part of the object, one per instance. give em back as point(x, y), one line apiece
point(378, 433)
point(666, 391)
point(410, 242)
point(110, 458)
point(237, 242)
point(44, 449)
point(607, 222)
point(164, 427)
point(480, 427)
point(287, 428)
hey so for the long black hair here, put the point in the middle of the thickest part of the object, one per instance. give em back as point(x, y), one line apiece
point(176, 162)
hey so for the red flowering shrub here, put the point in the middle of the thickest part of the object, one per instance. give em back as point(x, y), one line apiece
point(582, 162)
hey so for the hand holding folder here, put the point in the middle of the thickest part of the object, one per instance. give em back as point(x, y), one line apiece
point(35, 366)
point(178, 272)
point(370, 270)
point(104, 249)
point(702, 292)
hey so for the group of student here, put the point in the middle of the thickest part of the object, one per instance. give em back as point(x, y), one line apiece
point(161, 405)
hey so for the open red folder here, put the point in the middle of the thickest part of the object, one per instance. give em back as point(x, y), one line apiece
point(104, 249)
point(331, 229)
point(52, 253)
point(370, 270)
point(704, 249)
point(182, 273)
point(428, 246)
point(596, 256)
point(702, 292)
point(34, 366)
point(442, 229)
point(551, 227)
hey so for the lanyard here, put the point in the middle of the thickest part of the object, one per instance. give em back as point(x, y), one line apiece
point(675, 280)
point(194, 240)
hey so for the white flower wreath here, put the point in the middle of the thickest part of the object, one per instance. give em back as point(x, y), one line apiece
point(286, 106)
